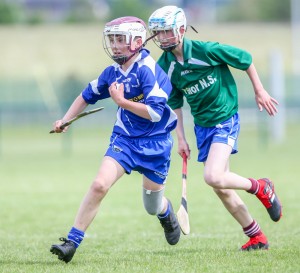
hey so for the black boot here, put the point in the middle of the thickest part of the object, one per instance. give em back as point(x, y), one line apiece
point(65, 251)
point(171, 226)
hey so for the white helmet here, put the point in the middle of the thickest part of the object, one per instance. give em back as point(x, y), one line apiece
point(129, 27)
point(167, 18)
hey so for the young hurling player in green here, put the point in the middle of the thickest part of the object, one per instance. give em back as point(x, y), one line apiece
point(199, 73)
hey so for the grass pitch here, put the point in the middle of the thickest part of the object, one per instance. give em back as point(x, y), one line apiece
point(44, 177)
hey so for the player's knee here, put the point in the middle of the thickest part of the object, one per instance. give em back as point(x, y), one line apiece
point(153, 201)
point(213, 179)
point(99, 188)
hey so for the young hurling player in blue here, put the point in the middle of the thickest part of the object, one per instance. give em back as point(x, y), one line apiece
point(140, 139)
point(199, 73)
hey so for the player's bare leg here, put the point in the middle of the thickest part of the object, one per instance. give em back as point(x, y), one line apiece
point(216, 170)
point(109, 172)
point(236, 207)
point(217, 175)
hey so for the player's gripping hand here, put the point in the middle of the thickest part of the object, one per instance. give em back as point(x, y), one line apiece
point(183, 148)
point(116, 92)
point(57, 124)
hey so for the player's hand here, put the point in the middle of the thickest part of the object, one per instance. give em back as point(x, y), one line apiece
point(116, 92)
point(57, 124)
point(265, 101)
point(183, 148)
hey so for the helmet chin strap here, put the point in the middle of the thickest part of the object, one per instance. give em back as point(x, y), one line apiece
point(120, 59)
point(173, 46)
point(169, 48)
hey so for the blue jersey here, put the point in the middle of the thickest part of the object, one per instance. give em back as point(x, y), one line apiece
point(144, 82)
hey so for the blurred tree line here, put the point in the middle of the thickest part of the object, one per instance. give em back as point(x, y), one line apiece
point(12, 12)
point(258, 11)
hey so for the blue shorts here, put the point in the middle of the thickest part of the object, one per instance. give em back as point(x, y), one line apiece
point(150, 156)
point(226, 132)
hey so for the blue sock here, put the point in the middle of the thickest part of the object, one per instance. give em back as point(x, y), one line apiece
point(76, 236)
point(166, 213)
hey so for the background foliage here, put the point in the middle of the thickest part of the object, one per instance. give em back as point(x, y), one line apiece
point(88, 11)
point(257, 11)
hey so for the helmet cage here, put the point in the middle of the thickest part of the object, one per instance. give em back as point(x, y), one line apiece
point(118, 42)
point(120, 33)
point(165, 41)
point(165, 19)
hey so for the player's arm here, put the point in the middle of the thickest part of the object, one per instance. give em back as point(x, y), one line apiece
point(77, 107)
point(262, 97)
point(117, 94)
point(241, 59)
point(176, 103)
point(183, 146)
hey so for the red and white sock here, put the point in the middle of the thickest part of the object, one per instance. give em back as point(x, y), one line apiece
point(252, 230)
point(254, 187)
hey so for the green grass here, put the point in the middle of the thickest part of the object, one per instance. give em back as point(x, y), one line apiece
point(43, 181)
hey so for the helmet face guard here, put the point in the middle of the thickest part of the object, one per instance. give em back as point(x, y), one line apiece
point(117, 47)
point(118, 37)
point(164, 40)
point(164, 21)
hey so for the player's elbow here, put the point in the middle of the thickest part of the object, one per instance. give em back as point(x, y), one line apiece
point(155, 117)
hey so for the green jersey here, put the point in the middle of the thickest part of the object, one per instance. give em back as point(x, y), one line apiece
point(205, 80)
